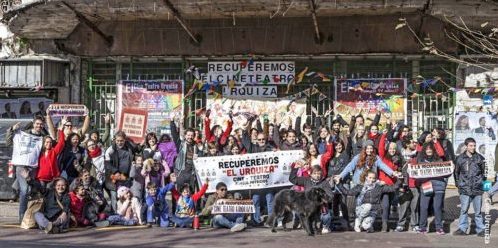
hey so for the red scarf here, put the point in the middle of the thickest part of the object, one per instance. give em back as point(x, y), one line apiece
point(95, 153)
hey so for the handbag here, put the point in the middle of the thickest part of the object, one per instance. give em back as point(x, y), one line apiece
point(427, 189)
point(28, 221)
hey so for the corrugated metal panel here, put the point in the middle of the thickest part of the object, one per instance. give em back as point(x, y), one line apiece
point(20, 74)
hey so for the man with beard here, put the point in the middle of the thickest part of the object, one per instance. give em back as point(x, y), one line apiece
point(187, 152)
point(27, 145)
point(118, 161)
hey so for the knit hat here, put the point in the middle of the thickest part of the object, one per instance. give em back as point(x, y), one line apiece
point(157, 157)
point(368, 143)
point(122, 190)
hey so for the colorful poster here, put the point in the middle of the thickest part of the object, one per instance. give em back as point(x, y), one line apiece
point(162, 99)
point(280, 111)
point(24, 108)
point(267, 72)
point(247, 171)
point(482, 127)
point(134, 122)
point(370, 95)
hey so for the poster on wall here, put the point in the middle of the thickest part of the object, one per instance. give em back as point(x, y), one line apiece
point(370, 95)
point(282, 111)
point(161, 99)
point(133, 122)
point(247, 171)
point(268, 72)
point(482, 127)
point(24, 108)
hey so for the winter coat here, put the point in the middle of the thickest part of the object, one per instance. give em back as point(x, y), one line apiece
point(47, 164)
point(469, 173)
point(308, 183)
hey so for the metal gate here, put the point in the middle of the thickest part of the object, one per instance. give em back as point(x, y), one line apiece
point(429, 111)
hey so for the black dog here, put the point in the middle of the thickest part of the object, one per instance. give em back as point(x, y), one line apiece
point(306, 204)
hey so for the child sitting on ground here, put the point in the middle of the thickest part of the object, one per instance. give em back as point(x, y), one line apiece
point(78, 195)
point(368, 196)
point(185, 204)
point(95, 203)
point(128, 209)
point(157, 206)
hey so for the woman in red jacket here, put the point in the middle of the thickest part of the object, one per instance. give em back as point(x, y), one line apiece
point(47, 163)
point(393, 160)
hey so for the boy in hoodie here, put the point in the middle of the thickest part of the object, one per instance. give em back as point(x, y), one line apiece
point(185, 204)
point(368, 195)
point(315, 180)
point(157, 207)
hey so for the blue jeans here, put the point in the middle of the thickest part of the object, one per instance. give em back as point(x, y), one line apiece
point(227, 220)
point(120, 220)
point(161, 215)
point(465, 201)
point(257, 205)
point(23, 189)
point(182, 221)
point(438, 209)
point(326, 219)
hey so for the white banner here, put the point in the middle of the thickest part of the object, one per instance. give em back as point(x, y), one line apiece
point(253, 92)
point(430, 170)
point(26, 150)
point(67, 110)
point(271, 72)
point(226, 206)
point(247, 171)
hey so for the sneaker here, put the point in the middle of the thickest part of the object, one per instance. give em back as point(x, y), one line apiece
point(357, 225)
point(459, 232)
point(265, 225)
point(370, 230)
point(480, 234)
point(399, 229)
point(325, 230)
point(238, 227)
point(104, 223)
point(48, 228)
point(440, 232)
point(415, 229)
point(422, 231)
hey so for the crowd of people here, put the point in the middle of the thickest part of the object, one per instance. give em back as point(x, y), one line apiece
point(84, 179)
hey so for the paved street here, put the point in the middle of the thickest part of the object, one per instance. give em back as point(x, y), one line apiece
point(260, 237)
point(12, 236)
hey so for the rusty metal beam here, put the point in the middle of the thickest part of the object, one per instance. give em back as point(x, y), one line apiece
point(108, 39)
point(181, 21)
point(315, 22)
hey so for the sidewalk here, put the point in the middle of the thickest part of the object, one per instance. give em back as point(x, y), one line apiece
point(9, 212)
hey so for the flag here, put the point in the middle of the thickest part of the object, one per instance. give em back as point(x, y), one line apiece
point(231, 84)
point(300, 76)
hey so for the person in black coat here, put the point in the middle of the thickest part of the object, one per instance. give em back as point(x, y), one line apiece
point(315, 180)
point(368, 196)
point(336, 165)
point(469, 175)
